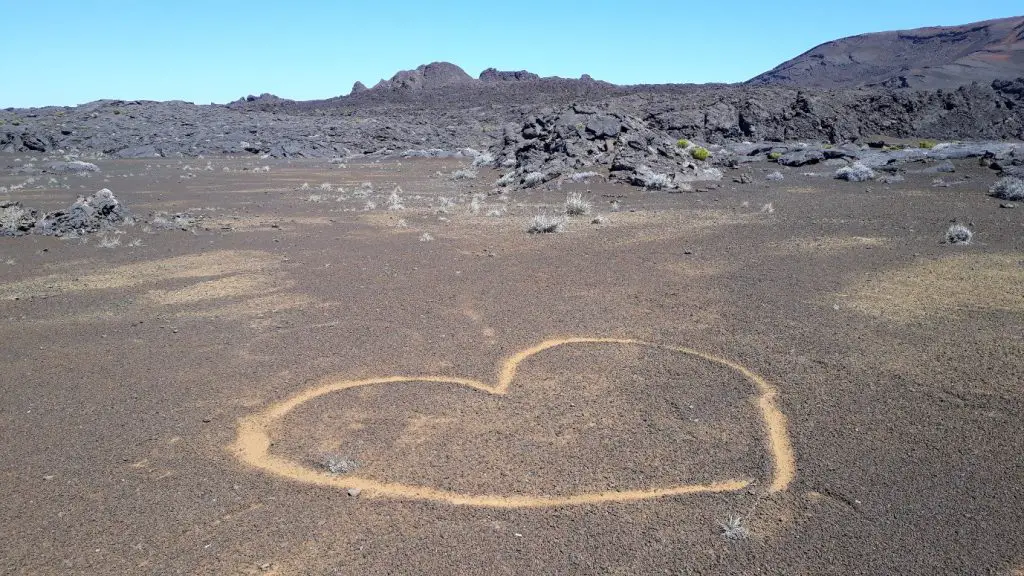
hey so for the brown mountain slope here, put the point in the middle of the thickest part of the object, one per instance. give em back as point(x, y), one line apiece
point(935, 57)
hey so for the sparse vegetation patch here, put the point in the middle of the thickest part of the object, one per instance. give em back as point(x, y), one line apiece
point(546, 224)
point(395, 200)
point(959, 234)
point(532, 179)
point(733, 529)
point(464, 174)
point(576, 205)
point(1008, 188)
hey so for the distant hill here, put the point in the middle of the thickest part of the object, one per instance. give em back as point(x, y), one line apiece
point(427, 77)
point(930, 58)
point(430, 77)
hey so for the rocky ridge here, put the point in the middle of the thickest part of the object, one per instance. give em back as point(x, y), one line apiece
point(933, 58)
point(455, 117)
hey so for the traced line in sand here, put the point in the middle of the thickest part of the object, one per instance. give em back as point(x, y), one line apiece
point(253, 441)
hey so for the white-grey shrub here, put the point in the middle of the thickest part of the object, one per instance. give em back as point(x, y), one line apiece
point(775, 176)
point(505, 180)
point(959, 234)
point(483, 159)
point(576, 204)
point(445, 205)
point(651, 180)
point(108, 241)
point(733, 529)
point(581, 176)
point(395, 200)
point(1008, 188)
point(856, 172)
point(533, 178)
point(546, 224)
point(464, 174)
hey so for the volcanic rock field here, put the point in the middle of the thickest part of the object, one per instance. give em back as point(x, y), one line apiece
point(516, 324)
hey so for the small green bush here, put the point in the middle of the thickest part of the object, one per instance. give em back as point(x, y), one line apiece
point(700, 153)
point(927, 144)
point(827, 146)
point(775, 155)
point(683, 143)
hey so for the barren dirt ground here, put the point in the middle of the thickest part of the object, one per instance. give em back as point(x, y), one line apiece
point(828, 371)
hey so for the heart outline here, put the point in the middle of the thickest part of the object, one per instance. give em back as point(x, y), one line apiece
point(253, 439)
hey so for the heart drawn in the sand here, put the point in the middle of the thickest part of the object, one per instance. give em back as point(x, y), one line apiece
point(253, 442)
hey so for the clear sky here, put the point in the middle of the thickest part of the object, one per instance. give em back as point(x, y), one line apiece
point(66, 52)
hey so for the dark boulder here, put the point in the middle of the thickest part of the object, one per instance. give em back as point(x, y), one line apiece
point(802, 157)
point(34, 142)
point(16, 220)
point(89, 214)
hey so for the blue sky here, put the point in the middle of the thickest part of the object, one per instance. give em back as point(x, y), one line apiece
point(66, 52)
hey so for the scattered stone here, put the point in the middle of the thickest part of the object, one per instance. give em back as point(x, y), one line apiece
point(355, 492)
point(856, 172)
point(1010, 205)
point(339, 464)
point(72, 167)
point(99, 211)
point(801, 158)
point(16, 220)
